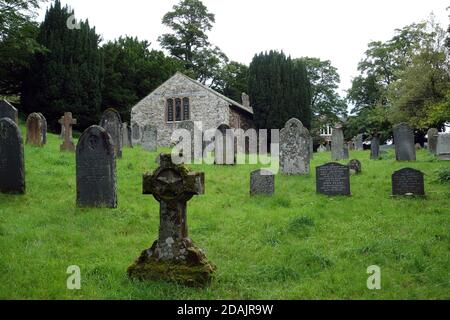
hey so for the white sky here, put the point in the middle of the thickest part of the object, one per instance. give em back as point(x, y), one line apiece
point(336, 30)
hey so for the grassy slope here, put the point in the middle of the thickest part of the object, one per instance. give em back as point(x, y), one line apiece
point(295, 245)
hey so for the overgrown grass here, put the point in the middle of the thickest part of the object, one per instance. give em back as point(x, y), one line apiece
point(294, 245)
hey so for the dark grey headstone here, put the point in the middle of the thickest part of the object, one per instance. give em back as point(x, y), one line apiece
point(333, 179)
point(432, 140)
point(337, 144)
point(262, 182)
point(149, 140)
point(12, 167)
point(295, 144)
point(443, 146)
point(359, 142)
point(8, 111)
point(96, 169)
point(112, 123)
point(404, 142)
point(375, 148)
point(126, 137)
point(355, 166)
point(408, 181)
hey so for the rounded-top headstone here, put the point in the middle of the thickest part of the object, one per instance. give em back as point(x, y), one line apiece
point(35, 129)
point(295, 143)
point(7, 110)
point(12, 167)
point(96, 169)
point(112, 123)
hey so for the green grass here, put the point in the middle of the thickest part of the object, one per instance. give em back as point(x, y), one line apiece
point(294, 245)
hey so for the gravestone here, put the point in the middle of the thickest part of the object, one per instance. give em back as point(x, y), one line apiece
point(126, 137)
point(295, 144)
point(67, 122)
point(136, 136)
point(337, 144)
point(7, 110)
point(333, 179)
point(173, 257)
point(96, 169)
point(112, 123)
point(149, 140)
point(262, 182)
point(443, 146)
point(404, 142)
point(196, 140)
point(375, 147)
point(355, 166)
point(359, 142)
point(44, 128)
point(12, 167)
point(351, 145)
point(35, 130)
point(322, 148)
point(328, 147)
point(346, 152)
point(432, 140)
point(408, 182)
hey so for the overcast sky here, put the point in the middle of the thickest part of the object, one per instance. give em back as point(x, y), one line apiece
point(328, 29)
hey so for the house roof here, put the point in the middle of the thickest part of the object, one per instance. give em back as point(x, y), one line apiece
point(230, 101)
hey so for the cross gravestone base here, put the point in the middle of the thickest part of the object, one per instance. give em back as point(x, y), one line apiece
point(173, 257)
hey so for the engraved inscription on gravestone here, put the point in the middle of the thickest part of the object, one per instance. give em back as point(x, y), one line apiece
point(96, 169)
point(408, 181)
point(333, 179)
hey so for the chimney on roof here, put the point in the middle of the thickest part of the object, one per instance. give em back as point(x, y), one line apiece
point(245, 100)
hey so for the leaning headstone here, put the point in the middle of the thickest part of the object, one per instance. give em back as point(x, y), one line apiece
point(173, 257)
point(126, 137)
point(375, 147)
point(443, 146)
point(196, 139)
point(333, 179)
point(34, 127)
point(432, 140)
point(96, 169)
point(295, 143)
point(44, 128)
point(12, 167)
point(404, 142)
point(67, 122)
point(262, 182)
point(149, 140)
point(8, 111)
point(355, 166)
point(408, 182)
point(337, 144)
point(112, 123)
point(359, 142)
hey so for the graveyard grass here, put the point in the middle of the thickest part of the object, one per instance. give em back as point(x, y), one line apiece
point(294, 245)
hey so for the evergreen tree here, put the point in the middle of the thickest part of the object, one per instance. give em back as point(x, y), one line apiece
point(68, 75)
point(279, 89)
point(132, 71)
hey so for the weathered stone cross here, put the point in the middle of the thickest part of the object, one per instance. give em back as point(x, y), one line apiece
point(173, 256)
point(66, 122)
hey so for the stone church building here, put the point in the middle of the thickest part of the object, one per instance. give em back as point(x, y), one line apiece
point(181, 98)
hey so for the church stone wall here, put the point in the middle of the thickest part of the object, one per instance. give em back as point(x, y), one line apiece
point(205, 106)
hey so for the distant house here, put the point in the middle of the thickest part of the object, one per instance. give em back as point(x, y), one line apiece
point(181, 98)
